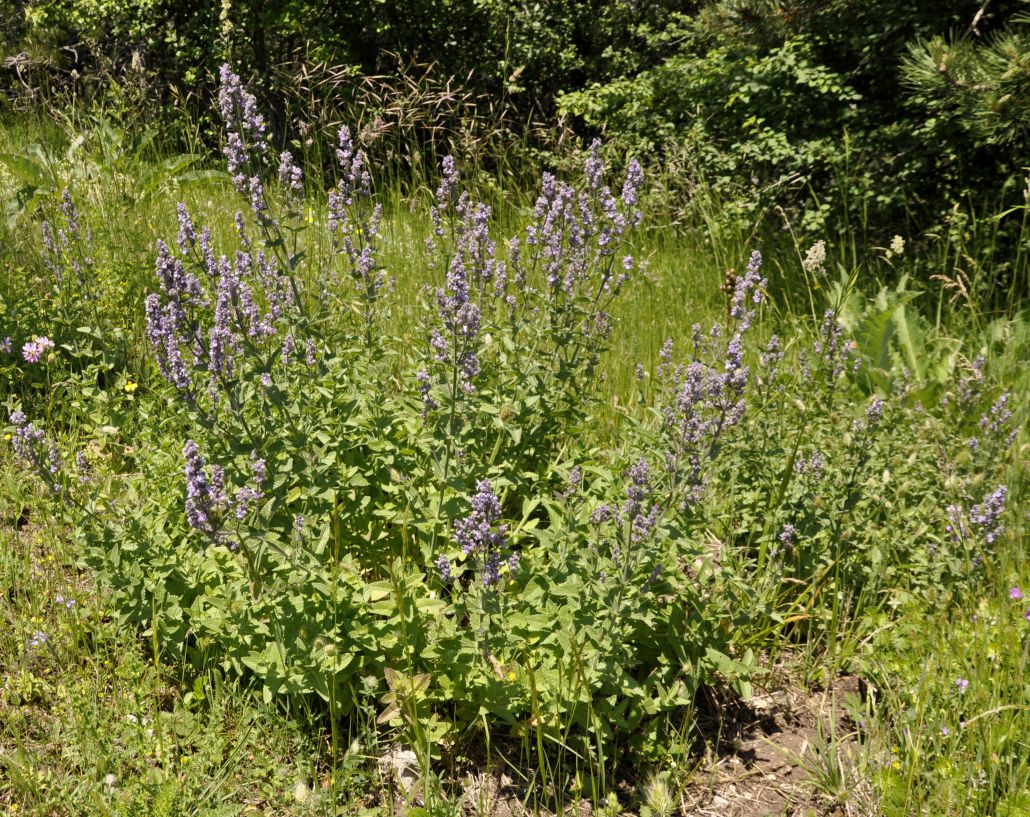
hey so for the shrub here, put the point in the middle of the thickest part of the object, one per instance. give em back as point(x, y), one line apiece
point(855, 129)
point(317, 506)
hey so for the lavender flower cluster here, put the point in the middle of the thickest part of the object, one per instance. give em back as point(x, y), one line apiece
point(834, 353)
point(246, 132)
point(574, 243)
point(997, 429)
point(481, 534)
point(969, 384)
point(707, 401)
point(984, 518)
point(470, 263)
point(249, 495)
point(987, 515)
point(814, 465)
point(354, 225)
point(207, 499)
point(68, 252)
point(204, 497)
point(35, 449)
point(956, 527)
point(184, 330)
point(576, 235)
point(638, 514)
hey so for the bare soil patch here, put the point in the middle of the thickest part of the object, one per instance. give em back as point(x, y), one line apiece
point(757, 758)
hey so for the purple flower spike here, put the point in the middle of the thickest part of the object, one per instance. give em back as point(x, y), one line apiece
point(200, 493)
point(290, 175)
point(187, 233)
point(480, 532)
point(246, 131)
point(443, 564)
point(32, 446)
point(987, 515)
point(631, 187)
point(594, 170)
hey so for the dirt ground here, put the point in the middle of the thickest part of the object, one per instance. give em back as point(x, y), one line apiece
point(770, 755)
point(787, 753)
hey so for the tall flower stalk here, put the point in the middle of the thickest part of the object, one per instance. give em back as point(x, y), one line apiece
point(353, 222)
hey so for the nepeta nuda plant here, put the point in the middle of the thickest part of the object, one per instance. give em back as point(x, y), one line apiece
point(701, 401)
point(977, 525)
point(482, 537)
point(834, 356)
point(447, 383)
point(214, 323)
point(575, 262)
point(230, 321)
point(290, 463)
point(229, 333)
point(317, 521)
point(68, 256)
point(987, 516)
point(978, 529)
point(628, 531)
point(250, 161)
point(246, 142)
point(532, 326)
point(461, 226)
point(997, 430)
point(36, 450)
point(353, 223)
point(69, 314)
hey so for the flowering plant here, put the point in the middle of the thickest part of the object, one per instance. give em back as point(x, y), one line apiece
point(318, 505)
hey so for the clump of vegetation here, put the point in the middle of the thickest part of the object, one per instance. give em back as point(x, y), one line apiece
point(381, 468)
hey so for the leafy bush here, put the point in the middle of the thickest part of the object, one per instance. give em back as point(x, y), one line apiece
point(323, 508)
point(500, 46)
point(853, 127)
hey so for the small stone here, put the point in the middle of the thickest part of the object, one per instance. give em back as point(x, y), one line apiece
point(402, 764)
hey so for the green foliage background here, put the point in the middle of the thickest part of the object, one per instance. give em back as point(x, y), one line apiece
point(860, 118)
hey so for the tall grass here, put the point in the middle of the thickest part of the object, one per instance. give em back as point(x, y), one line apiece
point(683, 268)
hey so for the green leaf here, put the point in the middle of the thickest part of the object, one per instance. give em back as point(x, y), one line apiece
point(32, 173)
point(204, 176)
